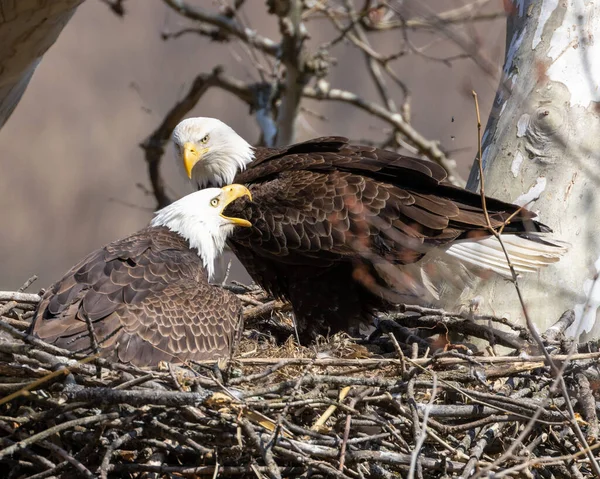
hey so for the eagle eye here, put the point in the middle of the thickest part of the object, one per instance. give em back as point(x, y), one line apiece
point(214, 202)
point(204, 140)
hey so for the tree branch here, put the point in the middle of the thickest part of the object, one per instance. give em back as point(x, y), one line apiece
point(227, 24)
point(426, 147)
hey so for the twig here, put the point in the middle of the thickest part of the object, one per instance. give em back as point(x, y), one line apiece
point(104, 467)
point(225, 23)
point(19, 297)
point(84, 421)
point(272, 468)
point(423, 435)
point(425, 147)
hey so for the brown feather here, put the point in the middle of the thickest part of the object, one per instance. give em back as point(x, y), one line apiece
point(149, 299)
point(326, 213)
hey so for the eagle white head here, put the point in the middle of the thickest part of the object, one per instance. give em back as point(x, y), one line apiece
point(198, 217)
point(211, 152)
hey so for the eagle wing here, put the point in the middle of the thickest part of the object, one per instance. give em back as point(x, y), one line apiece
point(329, 197)
point(148, 300)
point(332, 223)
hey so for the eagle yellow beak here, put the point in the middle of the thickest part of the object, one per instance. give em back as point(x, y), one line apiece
point(192, 155)
point(230, 193)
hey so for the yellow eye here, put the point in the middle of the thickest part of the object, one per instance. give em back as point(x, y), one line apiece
point(204, 140)
point(214, 202)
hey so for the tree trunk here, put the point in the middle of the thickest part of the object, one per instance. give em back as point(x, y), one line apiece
point(27, 29)
point(542, 143)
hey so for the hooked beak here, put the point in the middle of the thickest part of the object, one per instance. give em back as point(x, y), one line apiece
point(192, 155)
point(230, 193)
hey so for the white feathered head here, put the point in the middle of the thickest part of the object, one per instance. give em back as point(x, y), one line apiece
point(210, 151)
point(198, 217)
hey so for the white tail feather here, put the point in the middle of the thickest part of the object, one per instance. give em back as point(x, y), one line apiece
point(526, 255)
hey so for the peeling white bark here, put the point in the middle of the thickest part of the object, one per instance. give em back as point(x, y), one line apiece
point(27, 29)
point(542, 142)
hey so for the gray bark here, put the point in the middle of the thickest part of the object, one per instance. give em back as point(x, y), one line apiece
point(542, 141)
point(27, 29)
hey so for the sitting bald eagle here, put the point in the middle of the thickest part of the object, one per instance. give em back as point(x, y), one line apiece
point(344, 230)
point(147, 296)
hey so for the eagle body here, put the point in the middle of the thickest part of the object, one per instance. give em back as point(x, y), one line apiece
point(343, 231)
point(146, 298)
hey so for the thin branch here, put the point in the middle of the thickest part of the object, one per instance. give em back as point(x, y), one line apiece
point(425, 147)
point(226, 24)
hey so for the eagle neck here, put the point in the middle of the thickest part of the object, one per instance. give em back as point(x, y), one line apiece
point(218, 171)
point(207, 242)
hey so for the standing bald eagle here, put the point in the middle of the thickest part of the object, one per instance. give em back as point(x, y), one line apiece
point(343, 230)
point(147, 296)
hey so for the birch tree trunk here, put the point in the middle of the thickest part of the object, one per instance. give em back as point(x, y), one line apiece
point(27, 29)
point(542, 143)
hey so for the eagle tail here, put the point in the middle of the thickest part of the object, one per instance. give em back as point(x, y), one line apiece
point(528, 252)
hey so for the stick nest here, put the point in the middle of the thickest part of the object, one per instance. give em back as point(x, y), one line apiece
point(415, 400)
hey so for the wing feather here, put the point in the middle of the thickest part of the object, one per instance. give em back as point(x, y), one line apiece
point(149, 300)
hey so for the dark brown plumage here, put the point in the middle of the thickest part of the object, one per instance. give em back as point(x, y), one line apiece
point(343, 230)
point(329, 218)
point(148, 299)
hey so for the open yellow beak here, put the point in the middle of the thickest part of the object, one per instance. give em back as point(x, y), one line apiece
point(192, 155)
point(230, 193)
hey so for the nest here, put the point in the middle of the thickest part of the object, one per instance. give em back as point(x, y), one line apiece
point(399, 403)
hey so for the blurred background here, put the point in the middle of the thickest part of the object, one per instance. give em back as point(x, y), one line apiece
point(73, 175)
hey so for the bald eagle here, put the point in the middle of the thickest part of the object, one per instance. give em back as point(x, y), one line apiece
point(148, 296)
point(343, 230)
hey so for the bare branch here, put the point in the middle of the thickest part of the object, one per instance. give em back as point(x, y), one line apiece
point(227, 24)
point(426, 147)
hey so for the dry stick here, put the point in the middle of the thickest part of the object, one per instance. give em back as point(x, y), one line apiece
point(16, 323)
point(289, 402)
point(20, 297)
point(561, 325)
point(263, 309)
point(532, 329)
point(59, 451)
point(421, 439)
point(353, 404)
point(588, 405)
point(25, 390)
point(444, 361)
point(490, 434)
point(546, 461)
point(105, 464)
point(194, 472)
point(302, 458)
point(182, 438)
point(93, 340)
point(136, 397)
point(410, 391)
point(330, 410)
point(9, 451)
point(26, 452)
point(267, 455)
point(52, 472)
point(474, 396)
point(28, 283)
point(7, 307)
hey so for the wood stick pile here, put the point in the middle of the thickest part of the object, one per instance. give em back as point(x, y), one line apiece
point(400, 404)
